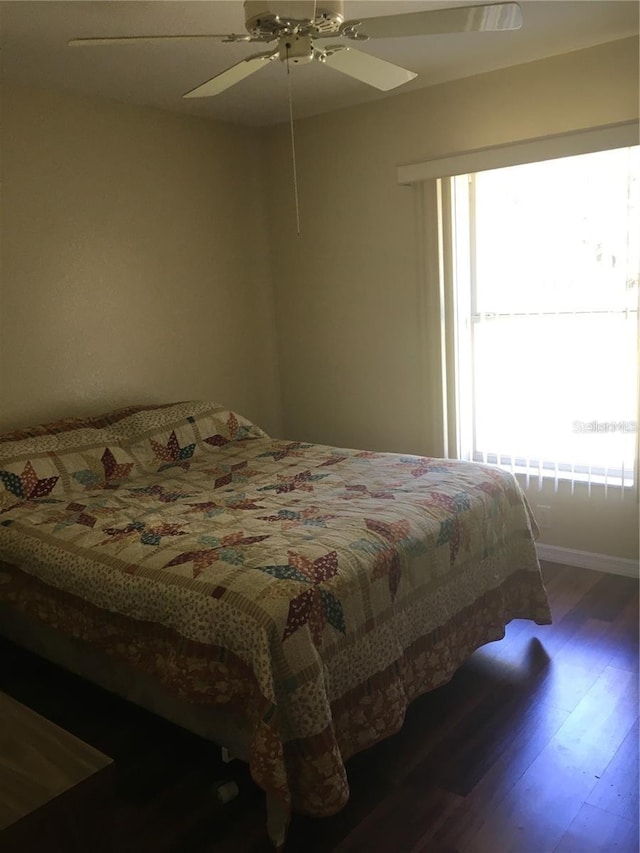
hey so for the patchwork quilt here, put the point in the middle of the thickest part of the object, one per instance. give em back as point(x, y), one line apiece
point(313, 590)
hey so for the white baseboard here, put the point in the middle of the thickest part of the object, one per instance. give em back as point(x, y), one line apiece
point(588, 560)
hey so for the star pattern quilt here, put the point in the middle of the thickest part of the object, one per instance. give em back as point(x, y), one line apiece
point(313, 590)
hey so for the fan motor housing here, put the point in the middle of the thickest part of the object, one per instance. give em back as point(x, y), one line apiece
point(261, 20)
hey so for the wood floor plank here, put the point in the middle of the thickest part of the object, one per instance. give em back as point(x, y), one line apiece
point(565, 684)
point(625, 636)
point(567, 587)
point(605, 600)
point(404, 821)
point(38, 761)
point(594, 830)
point(591, 646)
point(617, 790)
point(537, 728)
point(540, 807)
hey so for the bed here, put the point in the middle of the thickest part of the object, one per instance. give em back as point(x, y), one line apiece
point(286, 599)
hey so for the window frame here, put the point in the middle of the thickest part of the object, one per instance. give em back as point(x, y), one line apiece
point(467, 441)
point(436, 262)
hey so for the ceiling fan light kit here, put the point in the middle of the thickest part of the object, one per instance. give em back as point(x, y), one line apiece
point(296, 49)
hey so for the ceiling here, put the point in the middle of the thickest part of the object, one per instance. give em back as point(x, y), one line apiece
point(34, 36)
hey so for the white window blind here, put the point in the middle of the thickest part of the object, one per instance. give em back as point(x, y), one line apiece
point(546, 261)
point(553, 332)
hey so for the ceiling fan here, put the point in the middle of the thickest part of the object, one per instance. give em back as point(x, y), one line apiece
point(301, 30)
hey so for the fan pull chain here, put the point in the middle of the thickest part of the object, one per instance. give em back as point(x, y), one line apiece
point(293, 147)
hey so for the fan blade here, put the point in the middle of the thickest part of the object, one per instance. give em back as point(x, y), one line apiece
point(82, 42)
point(369, 69)
point(496, 16)
point(232, 75)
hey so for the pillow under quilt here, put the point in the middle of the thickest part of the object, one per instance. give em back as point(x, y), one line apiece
point(79, 454)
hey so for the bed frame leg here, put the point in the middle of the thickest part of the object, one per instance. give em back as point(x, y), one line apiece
point(277, 821)
point(226, 790)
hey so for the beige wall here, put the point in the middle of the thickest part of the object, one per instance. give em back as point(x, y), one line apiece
point(135, 248)
point(347, 289)
point(133, 261)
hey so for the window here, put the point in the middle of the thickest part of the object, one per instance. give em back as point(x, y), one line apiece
point(545, 273)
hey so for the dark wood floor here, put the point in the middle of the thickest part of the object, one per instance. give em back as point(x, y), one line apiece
point(531, 748)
